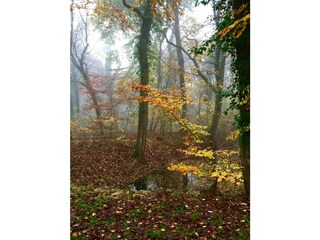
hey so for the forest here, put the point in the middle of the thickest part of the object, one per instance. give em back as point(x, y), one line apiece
point(160, 119)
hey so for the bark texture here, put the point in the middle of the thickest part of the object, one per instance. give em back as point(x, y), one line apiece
point(242, 46)
point(180, 59)
point(146, 21)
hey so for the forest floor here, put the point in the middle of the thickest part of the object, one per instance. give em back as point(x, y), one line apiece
point(102, 206)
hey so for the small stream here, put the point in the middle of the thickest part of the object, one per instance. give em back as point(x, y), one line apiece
point(171, 180)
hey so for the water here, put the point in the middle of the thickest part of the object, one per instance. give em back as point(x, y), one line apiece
point(165, 179)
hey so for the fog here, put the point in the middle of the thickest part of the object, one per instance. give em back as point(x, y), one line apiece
point(104, 58)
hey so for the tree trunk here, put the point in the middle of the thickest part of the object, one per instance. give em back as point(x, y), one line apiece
point(74, 86)
point(180, 59)
point(152, 120)
point(75, 104)
point(156, 123)
point(214, 128)
point(171, 75)
point(79, 62)
point(219, 67)
point(95, 103)
point(185, 183)
point(170, 125)
point(163, 122)
point(245, 161)
point(242, 61)
point(215, 120)
point(146, 19)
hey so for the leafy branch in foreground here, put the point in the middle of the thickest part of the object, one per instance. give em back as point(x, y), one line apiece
point(226, 169)
point(172, 103)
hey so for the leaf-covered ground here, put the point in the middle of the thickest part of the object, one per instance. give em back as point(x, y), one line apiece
point(101, 162)
point(101, 210)
point(161, 215)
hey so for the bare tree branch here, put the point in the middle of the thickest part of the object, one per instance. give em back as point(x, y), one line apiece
point(137, 10)
point(193, 39)
point(204, 77)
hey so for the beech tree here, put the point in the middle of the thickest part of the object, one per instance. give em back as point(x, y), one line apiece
point(180, 58)
point(110, 12)
point(145, 14)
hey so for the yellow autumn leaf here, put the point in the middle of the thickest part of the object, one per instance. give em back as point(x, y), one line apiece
point(233, 135)
point(214, 174)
